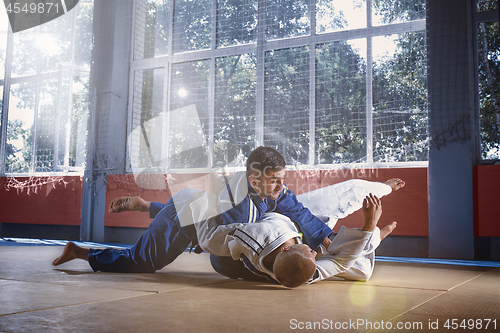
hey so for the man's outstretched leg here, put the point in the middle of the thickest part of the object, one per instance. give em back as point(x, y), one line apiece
point(71, 251)
point(158, 246)
point(340, 200)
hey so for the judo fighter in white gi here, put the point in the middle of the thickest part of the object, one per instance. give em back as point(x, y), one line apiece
point(273, 247)
point(215, 218)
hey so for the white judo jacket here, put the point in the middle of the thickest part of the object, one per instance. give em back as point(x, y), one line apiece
point(351, 255)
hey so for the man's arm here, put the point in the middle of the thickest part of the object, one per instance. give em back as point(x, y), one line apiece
point(212, 237)
point(346, 248)
point(211, 234)
point(314, 230)
point(349, 245)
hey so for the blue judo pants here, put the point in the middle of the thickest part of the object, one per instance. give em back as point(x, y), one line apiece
point(235, 269)
point(164, 241)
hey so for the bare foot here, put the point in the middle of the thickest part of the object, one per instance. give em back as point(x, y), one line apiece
point(386, 231)
point(71, 251)
point(395, 183)
point(123, 204)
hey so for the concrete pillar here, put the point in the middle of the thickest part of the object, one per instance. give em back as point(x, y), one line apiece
point(106, 143)
point(453, 135)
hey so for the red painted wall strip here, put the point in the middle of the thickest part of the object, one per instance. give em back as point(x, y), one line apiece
point(43, 200)
point(487, 200)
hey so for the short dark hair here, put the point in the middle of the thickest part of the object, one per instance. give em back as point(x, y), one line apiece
point(262, 159)
point(293, 269)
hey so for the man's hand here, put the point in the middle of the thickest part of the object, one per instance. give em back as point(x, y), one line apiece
point(326, 242)
point(372, 210)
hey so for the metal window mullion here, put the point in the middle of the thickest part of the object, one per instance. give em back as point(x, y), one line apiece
point(69, 110)
point(369, 88)
point(213, 41)
point(58, 117)
point(369, 102)
point(130, 119)
point(37, 105)
point(259, 112)
point(312, 18)
point(33, 138)
point(170, 25)
point(312, 104)
point(211, 89)
point(168, 80)
point(164, 119)
point(132, 35)
point(69, 114)
point(312, 86)
point(5, 102)
point(211, 113)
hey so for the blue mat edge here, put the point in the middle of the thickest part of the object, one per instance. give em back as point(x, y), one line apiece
point(12, 241)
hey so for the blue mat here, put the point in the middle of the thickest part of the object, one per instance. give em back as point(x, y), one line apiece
point(10, 241)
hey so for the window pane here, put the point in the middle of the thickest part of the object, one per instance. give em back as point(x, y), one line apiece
point(54, 42)
point(236, 22)
point(188, 115)
point(489, 91)
point(486, 5)
point(4, 28)
point(25, 53)
point(287, 18)
point(286, 103)
point(50, 124)
point(341, 102)
point(146, 142)
point(20, 127)
point(340, 15)
point(400, 98)
point(151, 28)
point(397, 11)
point(48, 47)
point(234, 124)
point(192, 25)
point(76, 123)
point(82, 49)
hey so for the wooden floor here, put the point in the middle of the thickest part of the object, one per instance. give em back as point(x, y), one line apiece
point(188, 296)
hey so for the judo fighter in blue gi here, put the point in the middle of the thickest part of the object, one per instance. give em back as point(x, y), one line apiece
point(244, 198)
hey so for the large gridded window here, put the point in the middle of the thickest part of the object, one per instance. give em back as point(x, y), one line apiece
point(488, 54)
point(326, 82)
point(44, 93)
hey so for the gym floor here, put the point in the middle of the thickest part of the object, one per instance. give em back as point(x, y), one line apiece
point(188, 296)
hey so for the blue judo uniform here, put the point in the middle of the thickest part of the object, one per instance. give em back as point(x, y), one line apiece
point(169, 234)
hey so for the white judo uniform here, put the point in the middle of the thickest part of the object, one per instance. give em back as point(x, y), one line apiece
point(351, 255)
